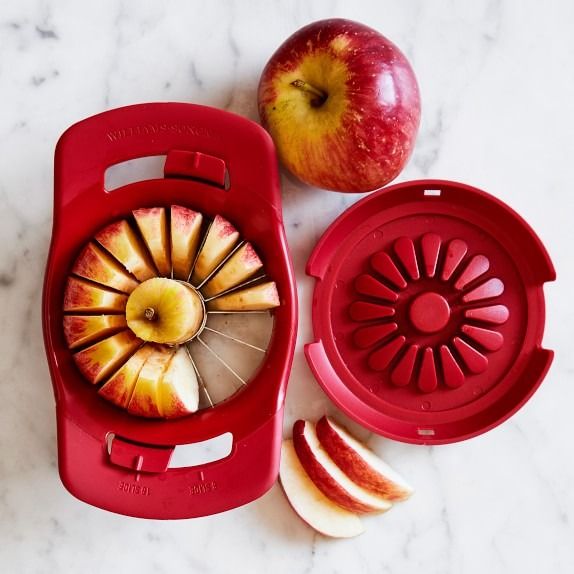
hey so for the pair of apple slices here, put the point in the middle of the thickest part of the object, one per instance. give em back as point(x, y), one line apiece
point(155, 280)
point(329, 478)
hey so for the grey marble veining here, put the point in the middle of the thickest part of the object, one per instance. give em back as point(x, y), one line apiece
point(497, 84)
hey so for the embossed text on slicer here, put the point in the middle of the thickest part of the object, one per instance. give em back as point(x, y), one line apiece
point(155, 129)
point(202, 487)
point(134, 488)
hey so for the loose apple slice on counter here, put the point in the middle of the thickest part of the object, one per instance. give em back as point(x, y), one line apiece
point(178, 388)
point(164, 310)
point(98, 361)
point(241, 265)
point(145, 398)
point(310, 503)
point(152, 223)
point(257, 298)
point(119, 387)
point(97, 265)
point(359, 463)
point(121, 241)
point(328, 477)
point(219, 242)
point(83, 296)
point(185, 238)
point(83, 329)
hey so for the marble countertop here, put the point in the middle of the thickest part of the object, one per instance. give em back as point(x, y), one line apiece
point(497, 82)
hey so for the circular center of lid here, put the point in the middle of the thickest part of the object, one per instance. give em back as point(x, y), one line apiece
point(429, 312)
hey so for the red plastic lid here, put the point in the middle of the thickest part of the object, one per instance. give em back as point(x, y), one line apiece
point(428, 312)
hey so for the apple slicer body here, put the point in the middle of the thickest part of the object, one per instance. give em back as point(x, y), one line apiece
point(217, 163)
point(428, 312)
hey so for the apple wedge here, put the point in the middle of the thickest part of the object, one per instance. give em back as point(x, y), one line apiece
point(241, 265)
point(145, 397)
point(219, 242)
point(121, 241)
point(185, 237)
point(119, 387)
point(310, 503)
point(359, 463)
point(80, 330)
point(328, 477)
point(178, 388)
point(257, 298)
point(81, 296)
point(97, 265)
point(98, 361)
point(152, 223)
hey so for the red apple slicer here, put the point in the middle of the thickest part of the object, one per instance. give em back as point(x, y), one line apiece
point(428, 312)
point(216, 163)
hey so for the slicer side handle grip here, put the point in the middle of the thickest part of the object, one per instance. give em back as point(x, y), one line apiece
point(88, 148)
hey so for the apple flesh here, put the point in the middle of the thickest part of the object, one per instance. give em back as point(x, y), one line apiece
point(258, 298)
point(243, 264)
point(328, 477)
point(178, 388)
point(120, 386)
point(359, 463)
point(145, 401)
point(79, 330)
point(185, 237)
point(98, 361)
point(120, 240)
point(152, 223)
point(310, 503)
point(95, 264)
point(219, 242)
point(81, 296)
point(342, 105)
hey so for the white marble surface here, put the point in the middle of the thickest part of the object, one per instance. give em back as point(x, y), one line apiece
point(497, 82)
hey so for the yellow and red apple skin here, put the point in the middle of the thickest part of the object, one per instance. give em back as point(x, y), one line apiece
point(152, 223)
point(119, 387)
point(320, 477)
point(83, 329)
point(256, 298)
point(361, 136)
point(356, 467)
point(119, 239)
point(185, 225)
point(83, 296)
point(97, 265)
point(101, 359)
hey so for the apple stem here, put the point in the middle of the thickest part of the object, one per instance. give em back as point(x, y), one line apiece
point(320, 95)
point(149, 313)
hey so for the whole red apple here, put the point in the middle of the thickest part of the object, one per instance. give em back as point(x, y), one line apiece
point(342, 104)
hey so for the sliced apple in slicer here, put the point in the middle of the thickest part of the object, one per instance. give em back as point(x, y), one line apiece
point(257, 298)
point(328, 477)
point(95, 264)
point(81, 296)
point(152, 223)
point(121, 241)
point(120, 386)
point(80, 330)
point(359, 463)
point(310, 503)
point(185, 226)
point(219, 242)
point(145, 397)
point(242, 265)
point(100, 360)
point(178, 388)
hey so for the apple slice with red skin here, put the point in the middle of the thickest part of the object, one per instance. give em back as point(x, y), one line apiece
point(312, 506)
point(359, 463)
point(328, 477)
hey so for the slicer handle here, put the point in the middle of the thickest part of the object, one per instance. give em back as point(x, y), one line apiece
point(91, 146)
